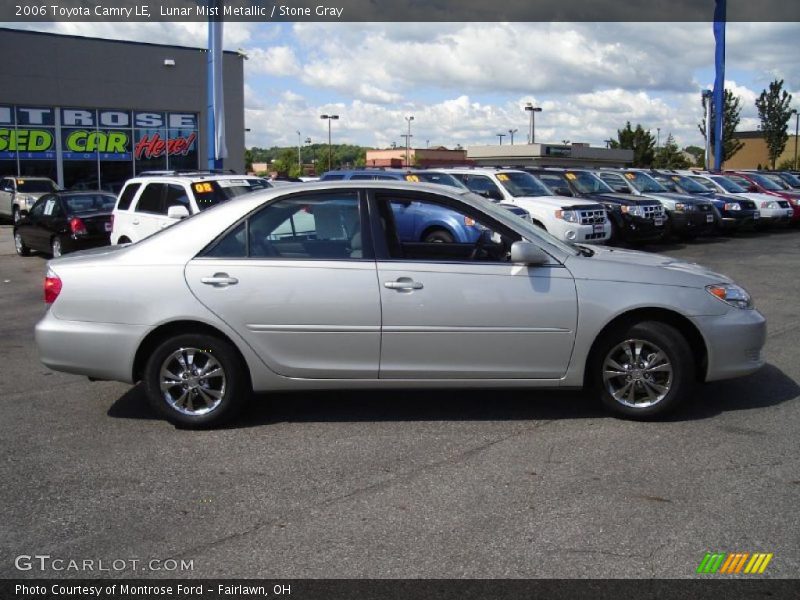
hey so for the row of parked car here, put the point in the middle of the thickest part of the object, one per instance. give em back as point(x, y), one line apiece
point(575, 205)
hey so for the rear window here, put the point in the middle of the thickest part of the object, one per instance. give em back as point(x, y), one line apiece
point(88, 203)
point(215, 191)
point(127, 195)
point(36, 186)
point(332, 177)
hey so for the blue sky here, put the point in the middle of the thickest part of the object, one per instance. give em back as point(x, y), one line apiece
point(465, 82)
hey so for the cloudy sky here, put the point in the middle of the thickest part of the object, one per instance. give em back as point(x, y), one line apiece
point(466, 82)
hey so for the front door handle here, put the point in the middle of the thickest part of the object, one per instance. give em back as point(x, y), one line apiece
point(135, 221)
point(403, 284)
point(220, 280)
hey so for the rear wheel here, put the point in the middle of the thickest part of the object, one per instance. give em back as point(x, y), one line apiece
point(644, 370)
point(438, 235)
point(196, 381)
point(19, 245)
point(56, 248)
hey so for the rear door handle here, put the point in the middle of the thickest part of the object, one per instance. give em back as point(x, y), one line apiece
point(220, 280)
point(135, 221)
point(403, 284)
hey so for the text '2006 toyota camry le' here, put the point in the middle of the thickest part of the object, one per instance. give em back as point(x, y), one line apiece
point(315, 287)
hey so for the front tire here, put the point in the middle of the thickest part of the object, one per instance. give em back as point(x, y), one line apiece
point(196, 381)
point(643, 370)
point(441, 236)
point(19, 245)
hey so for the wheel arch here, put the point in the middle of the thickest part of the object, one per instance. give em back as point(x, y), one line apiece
point(430, 227)
point(685, 327)
point(182, 327)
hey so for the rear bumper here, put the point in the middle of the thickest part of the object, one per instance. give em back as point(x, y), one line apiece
point(73, 244)
point(734, 342)
point(99, 350)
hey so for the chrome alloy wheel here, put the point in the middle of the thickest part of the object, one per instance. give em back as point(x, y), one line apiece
point(637, 373)
point(18, 243)
point(192, 381)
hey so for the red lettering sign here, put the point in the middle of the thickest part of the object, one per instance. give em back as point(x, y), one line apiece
point(153, 147)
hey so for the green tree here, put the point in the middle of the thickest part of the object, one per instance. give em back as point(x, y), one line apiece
point(640, 141)
point(286, 163)
point(698, 154)
point(248, 160)
point(731, 116)
point(774, 112)
point(669, 156)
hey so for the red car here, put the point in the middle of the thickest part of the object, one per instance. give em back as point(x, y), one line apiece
point(753, 181)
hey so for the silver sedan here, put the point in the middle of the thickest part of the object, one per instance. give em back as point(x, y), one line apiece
point(327, 286)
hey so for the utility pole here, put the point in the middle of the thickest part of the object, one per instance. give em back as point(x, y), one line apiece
point(501, 136)
point(707, 105)
point(796, 131)
point(533, 110)
point(299, 154)
point(511, 132)
point(408, 140)
point(330, 154)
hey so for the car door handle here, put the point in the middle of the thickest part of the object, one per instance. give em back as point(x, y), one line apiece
point(135, 221)
point(403, 284)
point(220, 280)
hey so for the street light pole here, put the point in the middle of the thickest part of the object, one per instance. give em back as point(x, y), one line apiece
point(533, 110)
point(706, 94)
point(408, 141)
point(796, 131)
point(299, 154)
point(501, 136)
point(511, 132)
point(329, 118)
point(658, 137)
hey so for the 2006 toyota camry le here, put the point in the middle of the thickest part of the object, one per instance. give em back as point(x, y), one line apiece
point(318, 286)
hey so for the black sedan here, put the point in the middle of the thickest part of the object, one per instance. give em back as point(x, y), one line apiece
point(64, 222)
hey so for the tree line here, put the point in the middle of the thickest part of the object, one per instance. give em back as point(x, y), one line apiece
point(774, 112)
point(284, 160)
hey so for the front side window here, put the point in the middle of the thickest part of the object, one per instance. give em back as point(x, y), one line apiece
point(177, 196)
point(480, 184)
point(151, 199)
point(730, 186)
point(421, 229)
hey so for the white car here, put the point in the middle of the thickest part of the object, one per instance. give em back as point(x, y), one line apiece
point(18, 194)
point(770, 207)
point(568, 219)
point(149, 203)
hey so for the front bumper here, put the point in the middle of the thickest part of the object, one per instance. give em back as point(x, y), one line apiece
point(99, 350)
point(574, 232)
point(739, 219)
point(640, 229)
point(692, 223)
point(734, 341)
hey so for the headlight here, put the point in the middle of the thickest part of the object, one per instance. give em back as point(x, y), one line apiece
point(731, 294)
point(733, 206)
point(769, 204)
point(570, 216)
point(636, 211)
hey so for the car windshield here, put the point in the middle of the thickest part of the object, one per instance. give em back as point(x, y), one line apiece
point(522, 184)
point(436, 177)
point(778, 180)
point(588, 183)
point(644, 183)
point(729, 185)
point(212, 192)
point(668, 183)
point(88, 203)
point(766, 182)
point(791, 179)
point(687, 184)
point(528, 229)
point(36, 186)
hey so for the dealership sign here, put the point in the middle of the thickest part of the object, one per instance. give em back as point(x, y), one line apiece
point(87, 134)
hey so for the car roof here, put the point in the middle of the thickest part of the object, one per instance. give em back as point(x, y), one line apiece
point(84, 193)
point(190, 177)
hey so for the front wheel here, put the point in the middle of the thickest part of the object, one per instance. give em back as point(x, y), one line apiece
point(19, 245)
point(644, 370)
point(441, 236)
point(196, 381)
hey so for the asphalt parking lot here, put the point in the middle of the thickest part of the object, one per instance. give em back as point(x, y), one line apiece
point(407, 484)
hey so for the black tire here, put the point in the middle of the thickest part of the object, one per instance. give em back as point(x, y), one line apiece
point(19, 245)
point(678, 383)
point(56, 247)
point(233, 385)
point(123, 240)
point(438, 235)
point(15, 217)
point(615, 238)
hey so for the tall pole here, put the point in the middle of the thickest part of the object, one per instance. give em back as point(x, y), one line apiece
point(658, 137)
point(299, 154)
point(720, 11)
point(533, 110)
point(707, 106)
point(408, 141)
point(501, 136)
point(796, 131)
point(511, 132)
point(330, 152)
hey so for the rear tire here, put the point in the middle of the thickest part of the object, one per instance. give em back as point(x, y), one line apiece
point(643, 370)
point(438, 235)
point(19, 245)
point(178, 385)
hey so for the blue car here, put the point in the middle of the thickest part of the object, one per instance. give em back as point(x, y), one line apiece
point(734, 213)
point(416, 222)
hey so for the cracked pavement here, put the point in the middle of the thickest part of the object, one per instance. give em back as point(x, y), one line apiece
point(415, 484)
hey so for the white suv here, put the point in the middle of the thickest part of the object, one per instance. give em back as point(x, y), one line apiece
point(569, 219)
point(149, 203)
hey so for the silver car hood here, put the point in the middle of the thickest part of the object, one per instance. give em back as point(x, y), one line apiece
point(641, 267)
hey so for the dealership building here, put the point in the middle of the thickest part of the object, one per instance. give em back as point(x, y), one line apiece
point(92, 113)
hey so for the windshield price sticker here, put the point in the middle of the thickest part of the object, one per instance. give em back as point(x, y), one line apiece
point(228, 183)
point(413, 178)
point(203, 188)
point(49, 206)
point(571, 176)
point(630, 175)
point(502, 177)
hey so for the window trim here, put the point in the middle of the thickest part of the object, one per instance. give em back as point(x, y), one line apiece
point(367, 247)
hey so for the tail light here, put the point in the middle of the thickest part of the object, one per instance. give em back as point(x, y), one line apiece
point(52, 286)
point(77, 227)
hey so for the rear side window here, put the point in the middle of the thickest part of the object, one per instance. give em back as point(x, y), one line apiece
point(151, 199)
point(177, 196)
point(126, 197)
point(361, 177)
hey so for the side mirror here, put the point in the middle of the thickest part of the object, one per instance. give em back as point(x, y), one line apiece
point(562, 191)
point(753, 188)
point(491, 194)
point(528, 253)
point(177, 211)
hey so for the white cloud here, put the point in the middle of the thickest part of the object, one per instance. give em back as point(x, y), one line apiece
point(275, 60)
